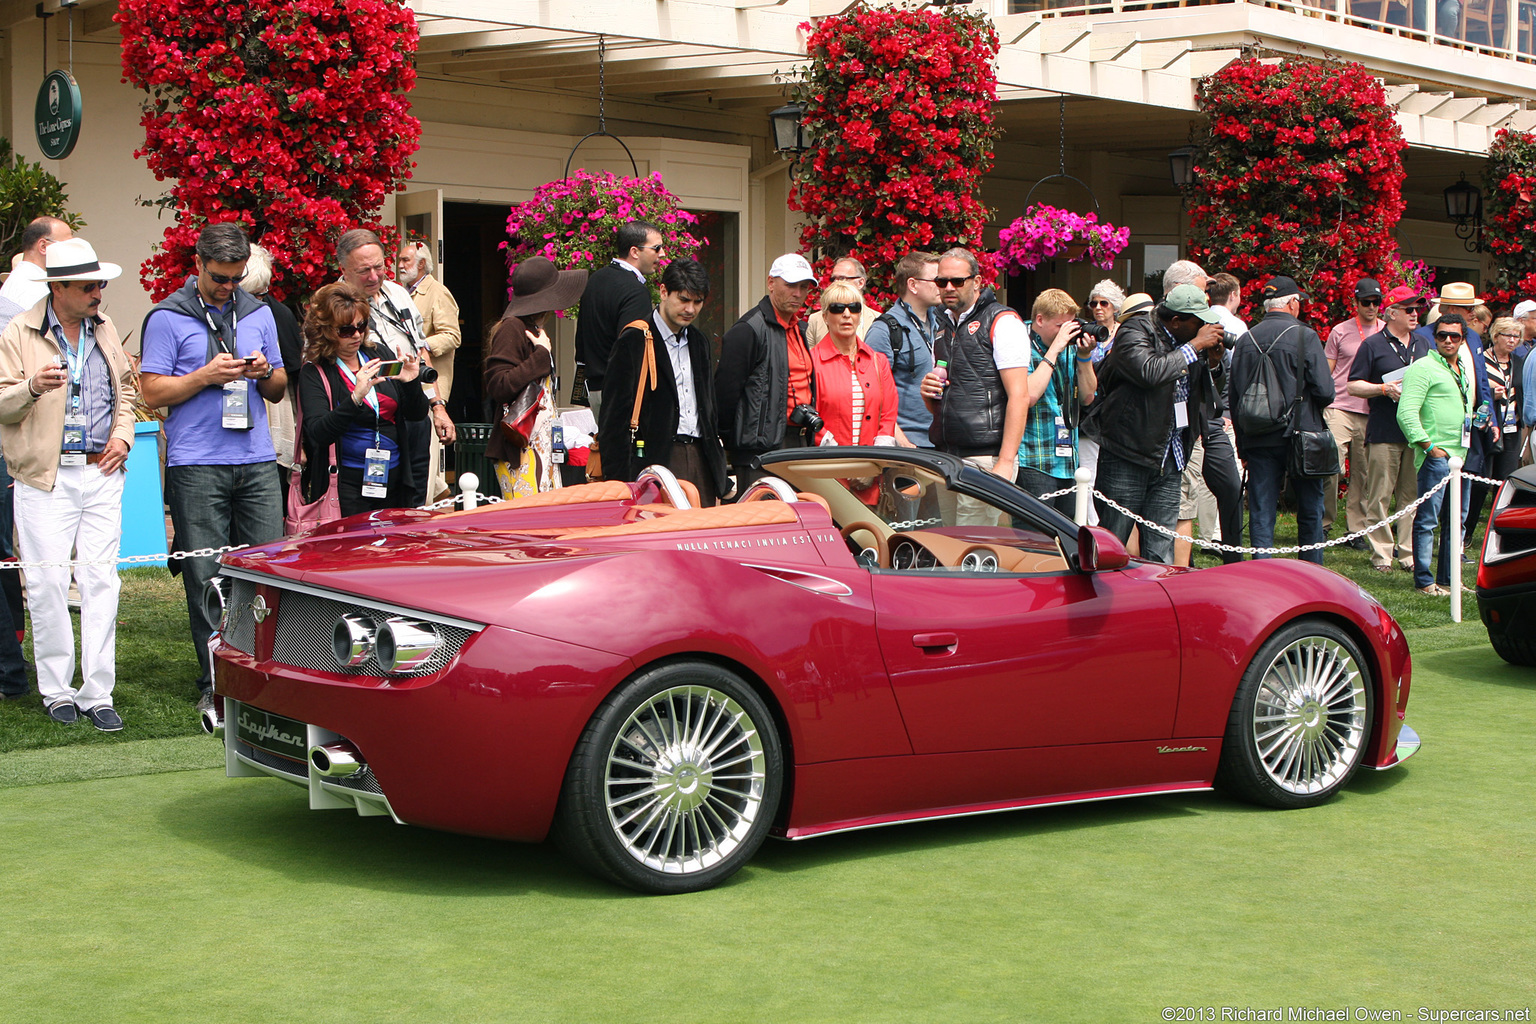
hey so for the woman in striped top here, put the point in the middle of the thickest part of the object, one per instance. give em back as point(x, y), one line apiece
point(855, 392)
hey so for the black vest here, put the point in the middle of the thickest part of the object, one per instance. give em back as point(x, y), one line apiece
point(970, 419)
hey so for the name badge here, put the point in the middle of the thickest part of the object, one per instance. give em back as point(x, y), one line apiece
point(1063, 439)
point(1180, 415)
point(72, 459)
point(1510, 426)
point(74, 434)
point(1466, 432)
point(237, 405)
point(557, 442)
point(376, 473)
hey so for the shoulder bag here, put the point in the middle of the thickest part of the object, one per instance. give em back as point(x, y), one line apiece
point(520, 417)
point(299, 514)
point(647, 374)
point(1314, 453)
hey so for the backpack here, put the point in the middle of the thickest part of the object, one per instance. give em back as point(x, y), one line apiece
point(898, 335)
point(1262, 408)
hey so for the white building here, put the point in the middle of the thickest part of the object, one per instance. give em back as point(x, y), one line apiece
point(508, 87)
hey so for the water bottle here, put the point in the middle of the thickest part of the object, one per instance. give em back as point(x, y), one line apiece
point(1480, 418)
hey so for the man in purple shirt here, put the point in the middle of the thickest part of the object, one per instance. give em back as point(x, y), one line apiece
point(1348, 414)
point(211, 355)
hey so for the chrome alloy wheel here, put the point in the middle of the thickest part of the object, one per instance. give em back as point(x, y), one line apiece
point(1310, 715)
point(685, 779)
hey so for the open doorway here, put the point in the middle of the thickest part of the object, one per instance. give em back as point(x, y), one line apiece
point(476, 273)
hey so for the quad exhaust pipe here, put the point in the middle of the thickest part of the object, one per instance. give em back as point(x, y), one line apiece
point(336, 760)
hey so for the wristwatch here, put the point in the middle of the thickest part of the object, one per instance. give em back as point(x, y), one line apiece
point(268, 374)
point(435, 403)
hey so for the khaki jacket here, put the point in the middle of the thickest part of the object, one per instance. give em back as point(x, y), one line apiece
point(440, 324)
point(32, 429)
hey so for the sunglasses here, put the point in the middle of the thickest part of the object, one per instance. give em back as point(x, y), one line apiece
point(226, 278)
point(351, 330)
point(1443, 335)
point(839, 308)
point(1368, 302)
point(1096, 303)
point(952, 282)
point(659, 247)
point(91, 286)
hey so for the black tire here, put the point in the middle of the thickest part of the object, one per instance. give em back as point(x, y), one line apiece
point(674, 782)
point(1301, 718)
point(1516, 652)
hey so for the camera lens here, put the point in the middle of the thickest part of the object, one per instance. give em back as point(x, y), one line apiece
point(427, 375)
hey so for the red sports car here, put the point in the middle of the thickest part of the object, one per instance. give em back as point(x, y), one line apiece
point(1506, 576)
point(659, 687)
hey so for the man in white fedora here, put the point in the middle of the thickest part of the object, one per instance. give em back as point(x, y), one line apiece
point(66, 422)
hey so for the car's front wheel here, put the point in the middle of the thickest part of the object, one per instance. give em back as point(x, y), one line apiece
point(674, 783)
point(1301, 718)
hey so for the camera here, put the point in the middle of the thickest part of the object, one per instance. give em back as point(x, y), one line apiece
point(426, 375)
point(1093, 329)
point(1230, 340)
point(805, 417)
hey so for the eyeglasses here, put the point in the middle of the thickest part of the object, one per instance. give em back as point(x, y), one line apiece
point(1369, 302)
point(1443, 335)
point(847, 277)
point(1508, 334)
point(226, 278)
point(351, 330)
point(1096, 303)
point(91, 286)
point(952, 282)
point(658, 248)
point(839, 308)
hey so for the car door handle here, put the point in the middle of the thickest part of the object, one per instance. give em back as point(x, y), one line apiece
point(936, 643)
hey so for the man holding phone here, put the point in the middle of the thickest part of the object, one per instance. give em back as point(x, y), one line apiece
point(210, 355)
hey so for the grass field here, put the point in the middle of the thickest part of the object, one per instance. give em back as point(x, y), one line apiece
point(139, 884)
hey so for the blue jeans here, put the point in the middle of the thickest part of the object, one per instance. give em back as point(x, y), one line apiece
point(1039, 484)
point(212, 506)
point(1427, 518)
point(1152, 494)
point(1266, 475)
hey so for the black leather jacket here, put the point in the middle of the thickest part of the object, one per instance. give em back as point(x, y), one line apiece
point(1133, 411)
point(752, 382)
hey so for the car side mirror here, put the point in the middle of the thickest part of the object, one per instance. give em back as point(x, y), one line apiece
point(1098, 550)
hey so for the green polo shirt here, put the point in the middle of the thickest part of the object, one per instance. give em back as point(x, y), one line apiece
point(1434, 406)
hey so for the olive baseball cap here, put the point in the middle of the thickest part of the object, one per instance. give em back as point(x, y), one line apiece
point(1190, 301)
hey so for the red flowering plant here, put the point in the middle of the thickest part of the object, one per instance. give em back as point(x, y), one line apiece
point(1509, 182)
point(899, 105)
point(290, 118)
point(573, 221)
point(1048, 233)
point(1300, 173)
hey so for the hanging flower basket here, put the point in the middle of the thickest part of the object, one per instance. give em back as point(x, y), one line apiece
point(1048, 233)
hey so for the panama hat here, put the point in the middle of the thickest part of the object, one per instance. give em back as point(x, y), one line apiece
point(1140, 302)
point(73, 259)
point(538, 286)
point(1459, 293)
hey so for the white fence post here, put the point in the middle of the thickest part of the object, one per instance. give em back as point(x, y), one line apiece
point(469, 483)
point(1084, 495)
point(1452, 539)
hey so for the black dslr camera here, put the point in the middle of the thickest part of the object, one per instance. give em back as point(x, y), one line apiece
point(805, 417)
point(1093, 329)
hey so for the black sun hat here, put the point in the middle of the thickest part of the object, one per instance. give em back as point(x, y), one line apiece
point(538, 286)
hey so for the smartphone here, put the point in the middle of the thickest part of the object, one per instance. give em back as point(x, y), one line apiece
point(249, 360)
point(390, 369)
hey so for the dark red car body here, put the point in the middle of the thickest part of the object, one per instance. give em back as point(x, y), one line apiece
point(1506, 573)
point(898, 696)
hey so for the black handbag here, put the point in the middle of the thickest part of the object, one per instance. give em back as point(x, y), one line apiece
point(1314, 453)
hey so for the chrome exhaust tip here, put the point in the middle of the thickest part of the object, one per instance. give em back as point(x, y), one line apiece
point(336, 760)
point(213, 721)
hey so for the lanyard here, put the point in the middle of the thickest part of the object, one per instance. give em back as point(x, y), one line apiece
point(371, 397)
point(75, 361)
point(406, 325)
point(218, 332)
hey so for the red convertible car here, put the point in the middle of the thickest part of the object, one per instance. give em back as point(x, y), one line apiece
point(659, 687)
point(1506, 575)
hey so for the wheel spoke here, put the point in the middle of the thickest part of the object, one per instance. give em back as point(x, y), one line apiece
point(1308, 718)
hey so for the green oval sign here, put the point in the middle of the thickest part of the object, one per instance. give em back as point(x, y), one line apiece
point(58, 114)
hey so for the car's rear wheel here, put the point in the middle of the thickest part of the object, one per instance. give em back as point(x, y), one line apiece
point(1301, 718)
point(675, 781)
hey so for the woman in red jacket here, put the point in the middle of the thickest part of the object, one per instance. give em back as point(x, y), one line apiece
point(855, 392)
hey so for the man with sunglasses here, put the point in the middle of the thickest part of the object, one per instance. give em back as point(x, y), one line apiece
point(1348, 415)
point(66, 420)
point(615, 295)
point(211, 354)
point(1435, 414)
point(905, 335)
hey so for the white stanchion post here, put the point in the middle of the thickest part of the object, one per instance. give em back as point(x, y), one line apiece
point(468, 485)
point(1084, 495)
point(1452, 539)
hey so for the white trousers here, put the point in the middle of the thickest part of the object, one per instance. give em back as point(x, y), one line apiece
point(81, 516)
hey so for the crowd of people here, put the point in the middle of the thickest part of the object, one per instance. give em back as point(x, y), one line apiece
point(272, 421)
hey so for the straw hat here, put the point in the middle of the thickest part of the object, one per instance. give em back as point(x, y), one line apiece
point(1459, 293)
point(73, 259)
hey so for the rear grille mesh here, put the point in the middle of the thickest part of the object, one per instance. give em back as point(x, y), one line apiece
point(240, 623)
point(293, 769)
point(306, 623)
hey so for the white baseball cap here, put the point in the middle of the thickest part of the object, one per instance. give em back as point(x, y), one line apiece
point(1523, 308)
point(792, 268)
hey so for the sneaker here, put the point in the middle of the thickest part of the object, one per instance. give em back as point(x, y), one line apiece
point(1358, 544)
point(64, 712)
point(104, 718)
point(206, 701)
